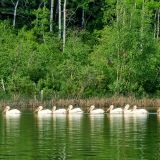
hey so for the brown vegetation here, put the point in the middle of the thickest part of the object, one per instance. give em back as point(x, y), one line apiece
point(149, 104)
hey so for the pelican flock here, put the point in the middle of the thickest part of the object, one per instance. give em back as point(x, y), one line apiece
point(70, 110)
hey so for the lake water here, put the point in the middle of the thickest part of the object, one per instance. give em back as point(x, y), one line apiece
point(80, 137)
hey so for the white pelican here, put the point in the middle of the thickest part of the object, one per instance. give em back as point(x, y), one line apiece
point(58, 111)
point(73, 110)
point(95, 111)
point(139, 111)
point(116, 110)
point(127, 110)
point(40, 110)
point(7, 111)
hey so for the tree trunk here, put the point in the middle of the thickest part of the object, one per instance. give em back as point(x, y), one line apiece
point(64, 24)
point(51, 16)
point(158, 16)
point(155, 25)
point(15, 13)
point(117, 13)
point(118, 49)
point(3, 86)
point(83, 21)
point(142, 24)
point(59, 18)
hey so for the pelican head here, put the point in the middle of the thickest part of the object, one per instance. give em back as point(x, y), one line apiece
point(70, 107)
point(7, 108)
point(91, 107)
point(39, 109)
point(54, 108)
point(126, 106)
point(134, 107)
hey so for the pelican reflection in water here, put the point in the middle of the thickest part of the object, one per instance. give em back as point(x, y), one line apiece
point(11, 127)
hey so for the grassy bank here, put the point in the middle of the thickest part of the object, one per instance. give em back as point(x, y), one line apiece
point(149, 104)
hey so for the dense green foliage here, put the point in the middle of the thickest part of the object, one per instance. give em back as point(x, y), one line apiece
point(115, 51)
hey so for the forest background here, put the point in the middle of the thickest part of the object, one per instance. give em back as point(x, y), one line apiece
point(79, 49)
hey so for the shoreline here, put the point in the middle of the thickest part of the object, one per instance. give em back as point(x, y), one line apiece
point(149, 104)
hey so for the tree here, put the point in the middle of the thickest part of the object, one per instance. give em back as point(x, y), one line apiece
point(15, 12)
point(51, 16)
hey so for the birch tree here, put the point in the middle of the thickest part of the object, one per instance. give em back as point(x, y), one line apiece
point(51, 16)
point(83, 18)
point(15, 12)
point(59, 18)
point(158, 19)
point(64, 24)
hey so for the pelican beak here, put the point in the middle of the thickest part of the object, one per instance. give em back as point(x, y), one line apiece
point(108, 109)
point(36, 110)
point(88, 110)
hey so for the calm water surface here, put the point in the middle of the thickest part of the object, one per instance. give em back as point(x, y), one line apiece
point(79, 137)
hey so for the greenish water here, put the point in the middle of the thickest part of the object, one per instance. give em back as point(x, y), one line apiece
point(80, 137)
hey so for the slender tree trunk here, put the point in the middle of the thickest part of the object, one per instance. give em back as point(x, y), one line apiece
point(15, 13)
point(83, 20)
point(117, 12)
point(3, 86)
point(41, 95)
point(158, 16)
point(64, 24)
point(142, 23)
point(142, 18)
point(59, 19)
point(118, 49)
point(51, 16)
point(155, 25)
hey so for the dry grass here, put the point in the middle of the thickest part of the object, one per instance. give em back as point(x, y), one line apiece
point(149, 104)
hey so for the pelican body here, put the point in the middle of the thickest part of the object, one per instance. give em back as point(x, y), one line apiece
point(9, 111)
point(72, 110)
point(58, 111)
point(139, 111)
point(42, 111)
point(92, 110)
point(115, 111)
